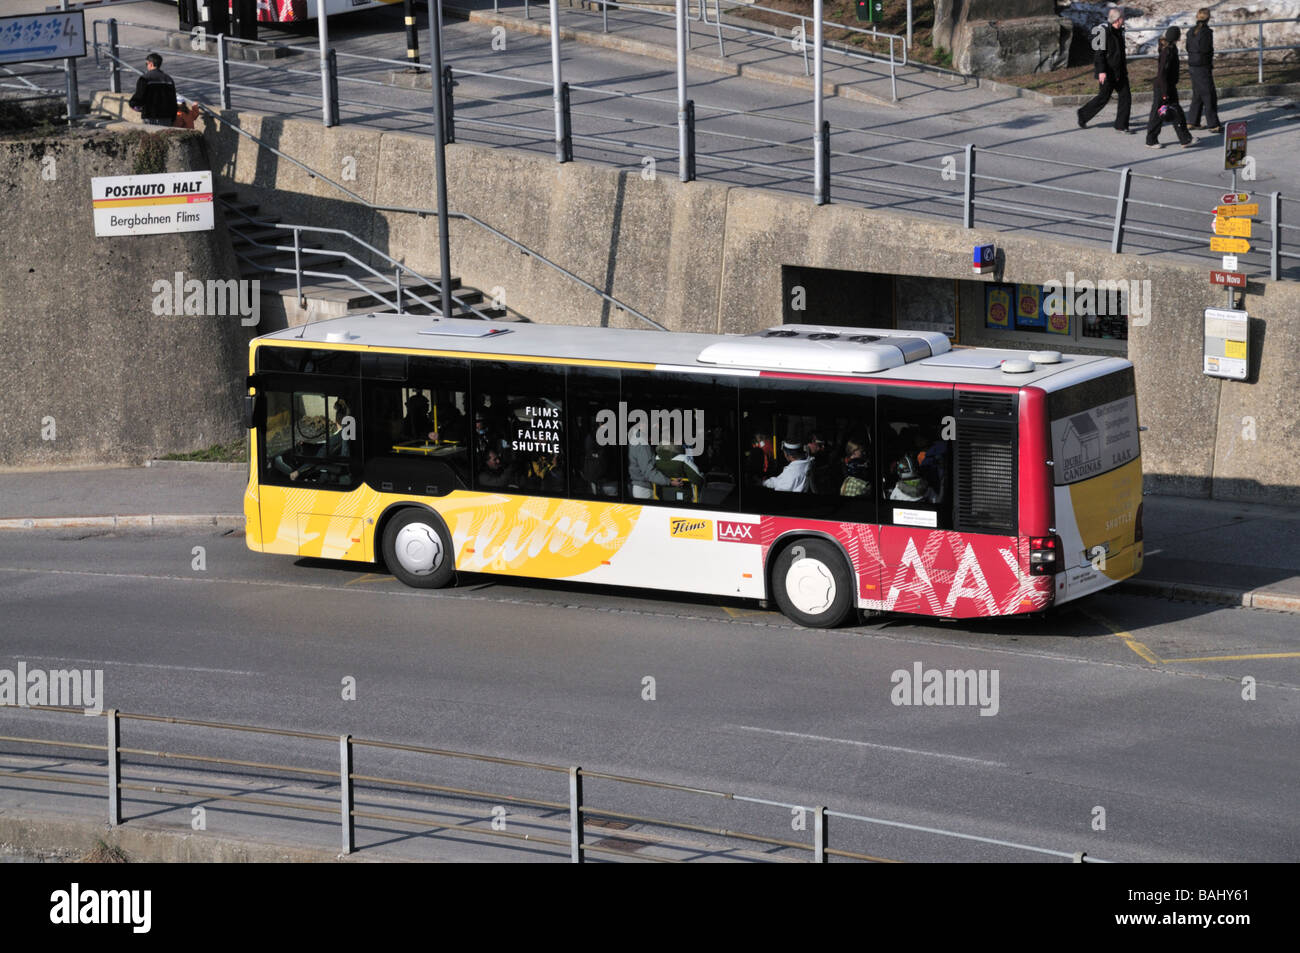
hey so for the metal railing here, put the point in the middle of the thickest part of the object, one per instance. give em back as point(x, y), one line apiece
point(1259, 49)
point(965, 194)
point(577, 805)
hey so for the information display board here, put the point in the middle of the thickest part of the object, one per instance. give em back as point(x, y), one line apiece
point(1226, 340)
point(42, 36)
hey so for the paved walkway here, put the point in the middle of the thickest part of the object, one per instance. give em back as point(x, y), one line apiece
point(1202, 550)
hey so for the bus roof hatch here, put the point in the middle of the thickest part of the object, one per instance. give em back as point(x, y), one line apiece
point(836, 350)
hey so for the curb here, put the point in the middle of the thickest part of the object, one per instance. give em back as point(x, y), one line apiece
point(1217, 595)
point(222, 521)
point(1078, 99)
point(183, 464)
point(659, 52)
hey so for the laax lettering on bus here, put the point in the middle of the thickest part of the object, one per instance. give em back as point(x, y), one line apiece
point(638, 427)
point(1105, 297)
point(214, 298)
point(736, 532)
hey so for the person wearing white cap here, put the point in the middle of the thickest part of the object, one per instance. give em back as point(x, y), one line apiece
point(796, 477)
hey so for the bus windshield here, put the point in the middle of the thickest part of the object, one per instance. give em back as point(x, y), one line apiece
point(1094, 427)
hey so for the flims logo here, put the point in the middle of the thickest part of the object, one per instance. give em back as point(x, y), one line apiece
point(690, 528)
point(730, 532)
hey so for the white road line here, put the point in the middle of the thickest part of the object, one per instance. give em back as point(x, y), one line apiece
point(868, 744)
point(82, 663)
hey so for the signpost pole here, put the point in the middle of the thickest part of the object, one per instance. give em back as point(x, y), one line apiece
point(683, 159)
point(70, 71)
point(819, 169)
point(439, 153)
point(323, 33)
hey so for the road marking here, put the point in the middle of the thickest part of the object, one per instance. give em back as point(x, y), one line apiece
point(82, 663)
point(868, 744)
point(369, 577)
point(1142, 651)
point(1235, 658)
point(741, 613)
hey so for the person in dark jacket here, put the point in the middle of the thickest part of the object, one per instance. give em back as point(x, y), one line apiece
point(1164, 89)
point(1200, 65)
point(1110, 63)
point(155, 94)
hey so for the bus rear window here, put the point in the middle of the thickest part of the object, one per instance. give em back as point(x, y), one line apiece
point(1094, 427)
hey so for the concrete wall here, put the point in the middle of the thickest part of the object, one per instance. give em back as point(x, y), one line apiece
point(82, 344)
point(702, 256)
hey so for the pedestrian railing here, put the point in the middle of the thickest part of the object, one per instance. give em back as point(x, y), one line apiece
point(1114, 204)
point(1259, 49)
point(332, 760)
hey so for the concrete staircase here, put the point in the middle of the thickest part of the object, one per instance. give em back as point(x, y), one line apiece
point(337, 284)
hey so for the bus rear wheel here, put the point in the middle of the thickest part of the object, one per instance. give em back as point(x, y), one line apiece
point(812, 585)
point(417, 550)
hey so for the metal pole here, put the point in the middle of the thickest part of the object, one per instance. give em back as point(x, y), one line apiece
point(323, 32)
point(333, 62)
point(114, 67)
point(968, 197)
point(909, 25)
point(556, 80)
point(1121, 211)
point(819, 835)
point(114, 772)
point(683, 159)
point(412, 36)
point(223, 71)
point(439, 155)
point(1275, 249)
point(819, 157)
point(297, 264)
point(576, 854)
point(345, 793)
point(1261, 51)
point(397, 275)
point(604, 16)
point(70, 73)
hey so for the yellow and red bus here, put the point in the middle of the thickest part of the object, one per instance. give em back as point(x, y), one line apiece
point(826, 469)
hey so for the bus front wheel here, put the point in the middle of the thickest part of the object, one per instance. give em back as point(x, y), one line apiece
point(417, 550)
point(812, 585)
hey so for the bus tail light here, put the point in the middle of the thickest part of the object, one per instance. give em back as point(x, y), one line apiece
point(1137, 525)
point(1044, 555)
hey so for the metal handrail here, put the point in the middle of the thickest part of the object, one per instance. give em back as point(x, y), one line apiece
point(422, 212)
point(578, 809)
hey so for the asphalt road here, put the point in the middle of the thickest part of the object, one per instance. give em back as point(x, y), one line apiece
point(1184, 768)
point(758, 134)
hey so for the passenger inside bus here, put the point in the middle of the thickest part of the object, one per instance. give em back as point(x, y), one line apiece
point(857, 468)
point(797, 475)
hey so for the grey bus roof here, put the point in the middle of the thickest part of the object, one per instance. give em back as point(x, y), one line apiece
point(870, 353)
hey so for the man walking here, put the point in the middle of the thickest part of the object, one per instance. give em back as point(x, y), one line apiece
point(1200, 64)
point(1110, 63)
point(155, 94)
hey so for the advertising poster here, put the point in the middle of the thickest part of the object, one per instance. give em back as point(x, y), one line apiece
point(997, 306)
point(1029, 311)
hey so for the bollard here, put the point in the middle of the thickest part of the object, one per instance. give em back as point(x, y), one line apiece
point(114, 771)
point(566, 138)
point(690, 141)
point(448, 106)
point(820, 835)
point(332, 69)
point(223, 71)
point(576, 853)
point(412, 37)
point(1275, 233)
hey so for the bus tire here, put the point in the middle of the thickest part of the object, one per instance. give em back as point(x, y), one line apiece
point(417, 549)
point(812, 584)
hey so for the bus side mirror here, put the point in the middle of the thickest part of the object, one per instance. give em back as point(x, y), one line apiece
point(252, 404)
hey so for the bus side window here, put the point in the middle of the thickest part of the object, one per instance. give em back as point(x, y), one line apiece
point(595, 455)
point(915, 461)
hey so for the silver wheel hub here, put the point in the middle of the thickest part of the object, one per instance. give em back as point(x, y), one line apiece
point(418, 549)
point(810, 585)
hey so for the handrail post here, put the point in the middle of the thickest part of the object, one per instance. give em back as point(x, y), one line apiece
point(397, 274)
point(684, 130)
point(820, 835)
point(717, 12)
point(297, 264)
point(1121, 210)
point(803, 41)
point(345, 793)
point(448, 107)
point(577, 854)
point(893, 75)
point(604, 16)
point(558, 88)
point(323, 35)
point(114, 771)
point(223, 71)
point(819, 146)
point(114, 67)
point(1275, 229)
point(968, 196)
point(1260, 24)
point(70, 75)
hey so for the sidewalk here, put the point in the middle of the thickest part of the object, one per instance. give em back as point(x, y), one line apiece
point(1241, 554)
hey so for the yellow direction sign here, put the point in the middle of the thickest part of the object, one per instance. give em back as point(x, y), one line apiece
point(1250, 210)
point(1233, 245)
point(1232, 226)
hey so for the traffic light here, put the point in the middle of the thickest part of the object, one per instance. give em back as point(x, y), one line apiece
point(869, 11)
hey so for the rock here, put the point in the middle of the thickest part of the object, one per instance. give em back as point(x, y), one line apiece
point(1012, 47)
